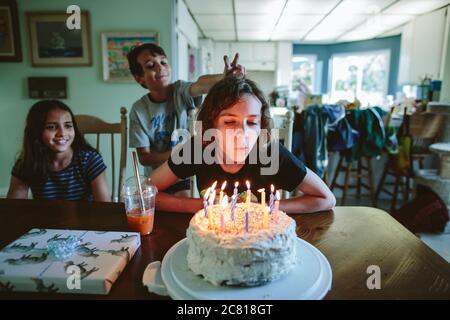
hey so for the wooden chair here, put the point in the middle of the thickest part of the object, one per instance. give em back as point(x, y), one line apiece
point(285, 131)
point(191, 124)
point(96, 126)
point(285, 136)
point(355, 168)
point(359, 172)
point(424, 128)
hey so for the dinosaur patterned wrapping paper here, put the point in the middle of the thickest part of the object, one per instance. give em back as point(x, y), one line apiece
point(99, 259)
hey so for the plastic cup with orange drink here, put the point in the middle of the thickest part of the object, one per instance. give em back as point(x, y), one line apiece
point(139, 207)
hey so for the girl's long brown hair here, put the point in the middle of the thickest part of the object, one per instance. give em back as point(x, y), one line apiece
point(34, 159)
point(227, 92)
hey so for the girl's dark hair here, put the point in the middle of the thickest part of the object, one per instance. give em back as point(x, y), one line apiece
point(34, 158)
point(227, 92)
point(135, 51)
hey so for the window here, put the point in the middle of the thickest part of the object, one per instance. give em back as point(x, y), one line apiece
point(303, 71)
point(362, 76)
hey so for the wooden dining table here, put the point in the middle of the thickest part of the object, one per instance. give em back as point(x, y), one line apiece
point(353, 239)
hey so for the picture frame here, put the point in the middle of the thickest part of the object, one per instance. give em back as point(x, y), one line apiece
point(52, 44)
point(115, 47)
point(10, 45)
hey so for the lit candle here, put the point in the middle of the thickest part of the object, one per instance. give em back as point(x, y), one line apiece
point(212, 197)
point(263, 207)
point(235, 191)
point(224, 184)
point(265, 218)
point(277, 205)
point(205, 202)
point(210, 216)
point(263, 196)
point(271, 198)
point(233, 206)
point(213, 187)
point(246, 221)
point(248, 194)
point(211, 202)
point(277, 202)
point(224, 204)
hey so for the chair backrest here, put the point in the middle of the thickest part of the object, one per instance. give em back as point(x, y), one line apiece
point(425, 128)
point(426, 125)
point(191, 124)
point(285, 131)
point(285, 135)
point(93, 125)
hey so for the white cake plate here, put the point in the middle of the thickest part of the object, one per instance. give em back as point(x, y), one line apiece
point(310, 279)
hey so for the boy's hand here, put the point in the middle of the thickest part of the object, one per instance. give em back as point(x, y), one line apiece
point(205, 82)
point(234, 69)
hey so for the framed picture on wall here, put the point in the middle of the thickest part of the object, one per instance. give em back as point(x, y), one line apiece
point(53, 44)
point(10, 47)
point(115, 47)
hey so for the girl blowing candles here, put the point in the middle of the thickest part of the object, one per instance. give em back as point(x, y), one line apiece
point(238, 112)
point(56, 162)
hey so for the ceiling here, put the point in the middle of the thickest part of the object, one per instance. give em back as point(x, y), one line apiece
point(314, 21)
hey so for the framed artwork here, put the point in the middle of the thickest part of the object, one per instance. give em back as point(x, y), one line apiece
point(115, 47)
point(52, 44)
point(10, 47)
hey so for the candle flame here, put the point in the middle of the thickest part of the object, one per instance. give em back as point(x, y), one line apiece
point(225, 202)
point(205, 197)
point(247, 184)
point(236, 184)
point(261, 190)
point(277, 195)
point(272, 188)
point(213, 187)
point(224, 184)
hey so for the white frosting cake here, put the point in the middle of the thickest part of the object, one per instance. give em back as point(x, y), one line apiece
point(229, 254)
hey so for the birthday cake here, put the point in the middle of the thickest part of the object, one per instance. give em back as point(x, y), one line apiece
point(240, 246)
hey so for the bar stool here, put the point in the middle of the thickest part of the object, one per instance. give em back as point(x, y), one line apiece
point(357, 170)
point(401, 180)
point(424, 128)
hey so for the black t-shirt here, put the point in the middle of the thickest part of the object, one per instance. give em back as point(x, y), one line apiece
point(291, 171)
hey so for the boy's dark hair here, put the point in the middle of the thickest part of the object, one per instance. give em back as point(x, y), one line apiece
point(224, 94)
point(34, 158)
point(135, 51)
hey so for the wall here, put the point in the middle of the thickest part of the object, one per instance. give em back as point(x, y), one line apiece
point(186, 35)
point(254, 55)
point(183, 57)
point(205, 58)
point(265, 80)
point(422, 47)
point(88, 93)
point(325, 52)
point(445, 91)
point(284, 63)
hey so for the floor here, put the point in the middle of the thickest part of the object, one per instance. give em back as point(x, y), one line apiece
point(438, 242)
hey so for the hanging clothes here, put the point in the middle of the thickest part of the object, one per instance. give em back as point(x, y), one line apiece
point(371, 139)
point(310, 135)
point(341, 135)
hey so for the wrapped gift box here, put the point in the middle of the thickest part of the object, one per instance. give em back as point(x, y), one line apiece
point(97, 262)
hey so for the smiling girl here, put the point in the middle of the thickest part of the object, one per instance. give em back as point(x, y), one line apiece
point(237, 105)
point(56, 162)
